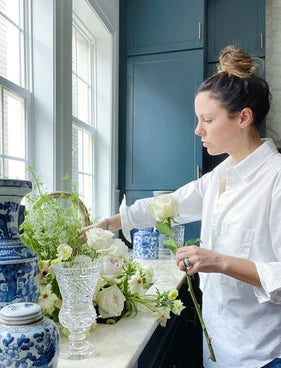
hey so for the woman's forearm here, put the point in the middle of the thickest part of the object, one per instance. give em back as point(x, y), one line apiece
point(241, 269)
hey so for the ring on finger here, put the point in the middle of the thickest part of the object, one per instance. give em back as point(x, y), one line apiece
point(186, 263)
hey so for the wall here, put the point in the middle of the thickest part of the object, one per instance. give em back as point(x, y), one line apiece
point(110, 9)
point(273, 67)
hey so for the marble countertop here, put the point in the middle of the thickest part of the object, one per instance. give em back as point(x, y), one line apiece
point(120, 345)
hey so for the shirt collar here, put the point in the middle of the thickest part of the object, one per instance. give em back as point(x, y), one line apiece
point(254, 161)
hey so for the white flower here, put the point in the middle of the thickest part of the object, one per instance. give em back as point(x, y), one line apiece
point(99, 238)
point(165, 206)
point(173, 294)
point(111, 268)
point(110, 301)
point(119, 248)
point(47, 299)
point(64, 252)
point(162, 314)
point(177, 307)
point(136, 284)
point(148, 273)
point(46, 270)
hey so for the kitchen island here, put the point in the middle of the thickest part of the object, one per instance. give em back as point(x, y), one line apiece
point(120, 345)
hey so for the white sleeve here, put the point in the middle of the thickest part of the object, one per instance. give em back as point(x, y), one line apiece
point(270, 272)
point(140, 215)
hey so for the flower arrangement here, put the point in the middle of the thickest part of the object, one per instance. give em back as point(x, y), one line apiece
point(51, 228)
point(165, 209)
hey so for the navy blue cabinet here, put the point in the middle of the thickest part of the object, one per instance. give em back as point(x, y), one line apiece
point(162, 151)
point(239, 22)
point(164, 25)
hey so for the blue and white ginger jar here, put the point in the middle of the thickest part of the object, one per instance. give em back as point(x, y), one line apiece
point(146, 244)
point(19, 265)
point(27, 339)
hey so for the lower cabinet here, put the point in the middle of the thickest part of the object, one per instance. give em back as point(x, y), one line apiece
point(179, 344)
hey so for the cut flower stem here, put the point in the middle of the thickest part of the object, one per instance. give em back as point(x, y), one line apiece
point(198, 311)
point(165, 228)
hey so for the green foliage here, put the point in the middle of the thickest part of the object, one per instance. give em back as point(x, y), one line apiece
point(196, 241)
point(164, 228)
point(51, 221)
point(171, 244)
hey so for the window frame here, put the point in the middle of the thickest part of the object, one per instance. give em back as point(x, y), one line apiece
point(22, 92)
point(90, 127)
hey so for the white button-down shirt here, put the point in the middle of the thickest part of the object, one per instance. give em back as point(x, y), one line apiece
point(243, 221)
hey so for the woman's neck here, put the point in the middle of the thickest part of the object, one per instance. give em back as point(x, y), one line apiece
point(244, 150)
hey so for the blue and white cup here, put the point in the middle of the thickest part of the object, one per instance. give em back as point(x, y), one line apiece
point(146, 244)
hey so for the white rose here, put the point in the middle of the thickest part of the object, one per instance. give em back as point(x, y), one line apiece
point(111, 267)
point(111, 301)
point(165, 206)
point(64, 251)
point(136, 284)
point(99, 238)
point(119, 248)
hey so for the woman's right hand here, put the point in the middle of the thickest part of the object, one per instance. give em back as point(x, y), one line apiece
point(83, 231)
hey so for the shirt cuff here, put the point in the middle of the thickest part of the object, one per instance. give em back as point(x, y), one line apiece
point(270, 277)
point(124, 214)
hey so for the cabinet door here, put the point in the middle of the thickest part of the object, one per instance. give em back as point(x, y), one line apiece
point(162, 151)
point(239, 22)
point(164, 25)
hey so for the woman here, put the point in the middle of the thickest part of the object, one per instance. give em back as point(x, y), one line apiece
point(239, 205)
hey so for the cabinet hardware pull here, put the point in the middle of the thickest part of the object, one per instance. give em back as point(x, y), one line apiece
point(198, 172)
point(199, 30)
point(261, 39)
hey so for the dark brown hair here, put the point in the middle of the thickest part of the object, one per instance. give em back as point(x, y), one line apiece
point(235, 85)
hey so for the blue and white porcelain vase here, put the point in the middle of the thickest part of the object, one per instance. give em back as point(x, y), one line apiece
point(146, 244)
point(27, 339)
point(19, 265)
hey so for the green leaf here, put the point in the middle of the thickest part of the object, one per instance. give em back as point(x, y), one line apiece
point(192, 241)
point(164, 228)
point(171, 244)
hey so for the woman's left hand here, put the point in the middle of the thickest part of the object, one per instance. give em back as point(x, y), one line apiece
point(199, 259)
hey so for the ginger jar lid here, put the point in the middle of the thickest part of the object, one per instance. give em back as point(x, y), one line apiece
point(20, 314)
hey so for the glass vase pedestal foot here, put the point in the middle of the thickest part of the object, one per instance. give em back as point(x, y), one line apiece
point(76, 350)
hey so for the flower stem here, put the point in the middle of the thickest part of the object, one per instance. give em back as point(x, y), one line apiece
point(198, 311)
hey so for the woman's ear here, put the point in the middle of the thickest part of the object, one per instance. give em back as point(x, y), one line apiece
point(246, 117)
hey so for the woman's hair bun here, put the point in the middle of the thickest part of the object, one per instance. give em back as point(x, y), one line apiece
point(236, 62)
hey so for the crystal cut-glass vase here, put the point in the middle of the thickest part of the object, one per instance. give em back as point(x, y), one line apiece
point(77, 286)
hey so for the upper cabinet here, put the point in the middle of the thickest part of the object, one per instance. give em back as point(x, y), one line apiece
point(239, 22)
point(162, 151)
point(164, 25)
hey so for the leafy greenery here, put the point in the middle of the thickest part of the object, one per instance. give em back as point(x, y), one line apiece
point(51, 221)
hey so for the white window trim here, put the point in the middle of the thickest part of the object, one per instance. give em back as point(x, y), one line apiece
point(26, 95)
point(106, 195)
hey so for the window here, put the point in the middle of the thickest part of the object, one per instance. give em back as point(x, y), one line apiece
point(14, 87)
point(83, 127)
point(75, 92)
